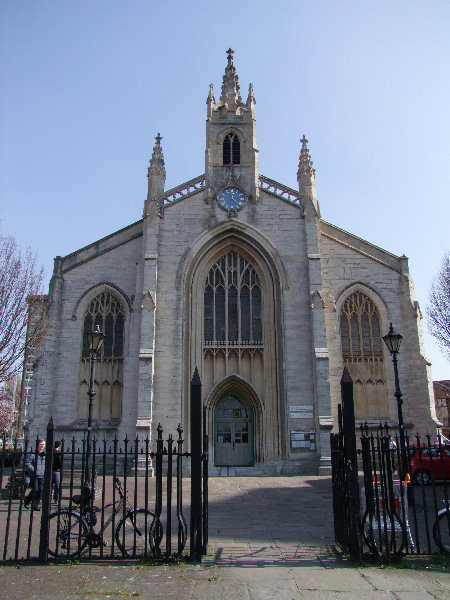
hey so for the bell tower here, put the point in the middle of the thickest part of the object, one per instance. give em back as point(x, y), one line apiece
point(231, 153)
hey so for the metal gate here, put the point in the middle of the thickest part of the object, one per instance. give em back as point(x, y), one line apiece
point(346, 505)
point(399, 501)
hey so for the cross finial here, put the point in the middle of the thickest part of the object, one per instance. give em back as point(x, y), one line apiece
point(230, 53)
point(158, 139)
point(304, 141)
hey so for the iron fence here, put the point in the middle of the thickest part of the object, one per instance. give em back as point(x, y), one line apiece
point(406, 508)
point(133, 506)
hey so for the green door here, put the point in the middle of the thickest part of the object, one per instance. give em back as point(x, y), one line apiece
point(233, 433)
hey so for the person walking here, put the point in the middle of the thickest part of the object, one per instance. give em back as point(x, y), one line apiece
point(35, 469)
point(56, 472)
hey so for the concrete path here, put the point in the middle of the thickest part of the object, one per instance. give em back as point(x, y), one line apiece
point(270, 539)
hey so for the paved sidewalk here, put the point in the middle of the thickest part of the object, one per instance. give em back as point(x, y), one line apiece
point(270, 538)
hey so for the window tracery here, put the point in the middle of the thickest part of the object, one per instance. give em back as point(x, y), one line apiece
point(232, 303)
point(106, 311)
point(362, 354)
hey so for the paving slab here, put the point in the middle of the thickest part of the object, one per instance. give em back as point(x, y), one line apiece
point(270, 538)
point(415, 595)
point(331, 580)
point(360, 595)
point(399, 580)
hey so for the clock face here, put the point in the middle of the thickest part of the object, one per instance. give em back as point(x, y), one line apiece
point(231, 198)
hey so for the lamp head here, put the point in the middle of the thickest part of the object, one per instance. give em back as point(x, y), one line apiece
point(392, 340)
point(95, 339)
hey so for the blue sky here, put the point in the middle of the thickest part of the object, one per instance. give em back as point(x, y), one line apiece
point(85, 87)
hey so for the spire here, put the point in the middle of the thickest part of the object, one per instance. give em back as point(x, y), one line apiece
point(305, 165)
point(210, 100)
point(306, 177)
point(156, 166)
point(156, 176)
point(230, 86)
point(251, 100)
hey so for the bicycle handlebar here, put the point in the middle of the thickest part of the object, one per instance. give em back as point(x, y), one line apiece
point(118, 486)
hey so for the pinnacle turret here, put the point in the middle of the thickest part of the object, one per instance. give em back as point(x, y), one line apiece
point(306, 177)
point(230, 96)
point(156, 166)
point(250, 104)
point(305, 165)
point(156, 176)
point(210, 100)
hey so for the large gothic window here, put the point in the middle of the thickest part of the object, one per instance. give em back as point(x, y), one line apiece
point(106, 311)
point(231, 150)
point(232, 302)
point(362, 354)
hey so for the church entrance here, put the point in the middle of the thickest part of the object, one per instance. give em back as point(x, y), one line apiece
point(233, 427)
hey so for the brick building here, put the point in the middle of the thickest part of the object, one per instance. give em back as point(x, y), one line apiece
point(442, 402)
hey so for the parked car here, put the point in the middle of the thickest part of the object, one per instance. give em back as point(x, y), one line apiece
point(427, 463)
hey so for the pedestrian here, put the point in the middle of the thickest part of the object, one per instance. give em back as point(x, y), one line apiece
point(56, 473)
point(35, 469)
point(392, 448)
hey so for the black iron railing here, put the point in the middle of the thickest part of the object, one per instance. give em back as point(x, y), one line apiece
point(131, 507)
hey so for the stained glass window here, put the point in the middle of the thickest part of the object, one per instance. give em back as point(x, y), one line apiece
point(106, 311)
point(232, 301)
point(360, 327)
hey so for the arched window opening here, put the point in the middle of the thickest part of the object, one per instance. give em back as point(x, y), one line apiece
point(106, 311)
point(231, 150)
point(362, 355)
point(232, 302)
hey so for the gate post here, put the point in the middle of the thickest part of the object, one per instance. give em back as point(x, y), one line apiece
point(196, 468)
point(205, 515)
point(351, 463)
point(46, 492)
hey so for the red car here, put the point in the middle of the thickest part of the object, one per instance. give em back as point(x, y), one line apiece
point(424, 467)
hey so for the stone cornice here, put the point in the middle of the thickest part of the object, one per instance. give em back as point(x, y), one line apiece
point(114, 240)
point(361, 246)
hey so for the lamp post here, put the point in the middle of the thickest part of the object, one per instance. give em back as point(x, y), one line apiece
point(393, 340)
point(95, 339)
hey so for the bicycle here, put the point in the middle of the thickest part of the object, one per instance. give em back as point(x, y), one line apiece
point(441, 529)
point(70, 531)
point(385, 526)
point(383, 532)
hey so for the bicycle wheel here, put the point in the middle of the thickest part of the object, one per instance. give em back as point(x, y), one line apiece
point(441, 532)
point(384, 536)
point(68, 534)
point(132, 532)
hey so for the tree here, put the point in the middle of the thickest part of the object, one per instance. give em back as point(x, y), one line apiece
point(20, 279)
point(438, 309)
point(8, 395)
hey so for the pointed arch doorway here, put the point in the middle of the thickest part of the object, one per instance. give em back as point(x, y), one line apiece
point(233, 432)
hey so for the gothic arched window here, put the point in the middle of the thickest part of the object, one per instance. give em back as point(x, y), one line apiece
point(231, 150)
point(106, 311)
point(232, 302)
point(363, 356)
point(360, 327)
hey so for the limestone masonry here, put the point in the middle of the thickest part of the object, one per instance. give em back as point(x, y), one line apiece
point(238, 275)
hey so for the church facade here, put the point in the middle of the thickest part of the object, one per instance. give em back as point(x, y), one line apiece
point(239, 276)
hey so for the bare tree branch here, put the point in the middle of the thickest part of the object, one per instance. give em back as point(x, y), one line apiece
point(7, 394)
point(438, 309)
point(20, 279)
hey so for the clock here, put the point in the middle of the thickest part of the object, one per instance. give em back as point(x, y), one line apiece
point(232, 198)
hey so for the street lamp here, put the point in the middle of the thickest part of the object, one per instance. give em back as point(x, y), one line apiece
point(95, 339)
point(393, 340)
